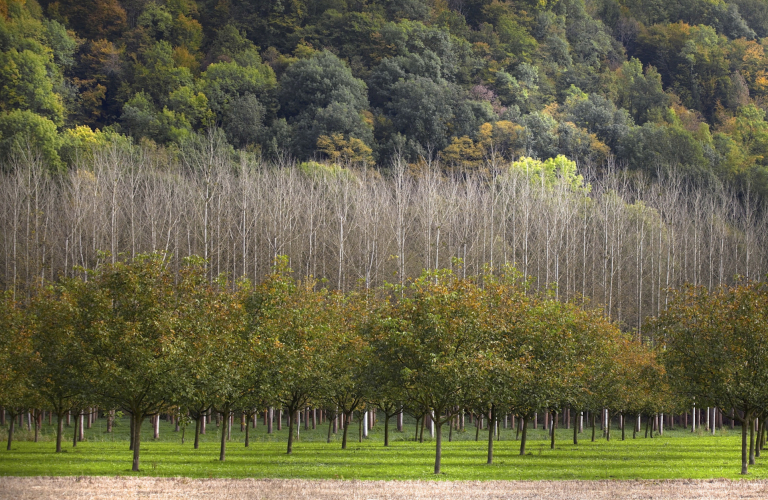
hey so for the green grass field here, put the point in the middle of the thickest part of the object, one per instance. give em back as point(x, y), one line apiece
point(676, 454)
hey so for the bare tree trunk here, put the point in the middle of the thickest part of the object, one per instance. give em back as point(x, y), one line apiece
point(438, 445)
point(10, 431)
point(224, 429)
point(490, 434)
point(137, 420)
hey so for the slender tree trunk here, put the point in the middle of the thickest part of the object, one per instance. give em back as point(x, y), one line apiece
point(247, 434)
point(523, 435)
point(290, 430)
point(490, 434)
point(744, 444)
point(575, 427)
point(197, 431)
point(59, 430)
point(81, 426)
point(77, 430)
point(10, 431)
point(224, 427)
point(751, 441)
point(138, 418)
point(330, 427)
point(652, 423)
point(438, 445)
point(592, 417)
point(634, 430)
point(347, 419)
point(421, 431)
point(386, 429)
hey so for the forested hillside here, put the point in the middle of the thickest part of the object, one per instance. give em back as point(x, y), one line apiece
point(372, 140)
point(678, 84)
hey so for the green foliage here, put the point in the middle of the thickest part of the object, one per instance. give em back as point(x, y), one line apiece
point(715, 348)
point(23, 132)
point(244, 121)
point(421, 109)
point(599, 116)
point(156, 73)
point(551, 172)
point(639, 92)
point(321, 97)
point(61, 42)
point(140, 117)
point(406, 76)
point(225, 82)
point(17, 354)
point(318, 82)
point(654, 145)
point(25, 85)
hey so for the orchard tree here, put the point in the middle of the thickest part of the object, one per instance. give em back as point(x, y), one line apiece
point(599, 362)
point(16, 355)
point(61, 374)
point(214, 321)
point(294, 321)
point(129, 316)
point(501, 366)
point(345, 384)
point(433, 339)
point(385, 379)
point(716, 349)
point(550, 342)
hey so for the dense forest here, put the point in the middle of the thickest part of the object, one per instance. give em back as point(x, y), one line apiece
point(607, 150)
point(654, 85)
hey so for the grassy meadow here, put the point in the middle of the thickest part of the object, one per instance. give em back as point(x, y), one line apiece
point(676, 454)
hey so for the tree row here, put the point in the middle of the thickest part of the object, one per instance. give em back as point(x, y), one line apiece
point(136, 336)
point(620, 240)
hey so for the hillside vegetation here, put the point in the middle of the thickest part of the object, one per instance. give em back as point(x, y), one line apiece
point(655, 85)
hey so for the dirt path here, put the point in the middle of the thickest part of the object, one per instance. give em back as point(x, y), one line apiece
point(67, 488)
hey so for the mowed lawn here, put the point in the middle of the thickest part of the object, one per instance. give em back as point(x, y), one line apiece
point(676, 454)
